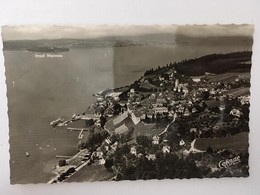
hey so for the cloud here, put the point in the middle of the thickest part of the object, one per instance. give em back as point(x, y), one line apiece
point(86, 32)
point(216, 30)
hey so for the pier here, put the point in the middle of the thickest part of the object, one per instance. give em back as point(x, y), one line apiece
point(63, 156)
point(77, 129)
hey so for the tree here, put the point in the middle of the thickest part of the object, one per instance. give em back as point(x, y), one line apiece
point(103, 121)
point(209, 150)
point(117, 109)
point(62, 163)
point(114, 137)
point(81, 145)
point(129, 134)
point(120, 152)
point(71, 170)
point(143, 140)
point(89, 122)
point(205, 95)
point(104, 134)
point(158, 117)
point(153, 118)
point(108, 164)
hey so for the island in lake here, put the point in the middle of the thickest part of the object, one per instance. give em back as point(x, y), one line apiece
point(48, 49)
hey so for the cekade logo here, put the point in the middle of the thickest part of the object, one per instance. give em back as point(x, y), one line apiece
point(229, 162)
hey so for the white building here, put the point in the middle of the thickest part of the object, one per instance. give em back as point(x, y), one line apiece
point(235, 112)
point(150, 156)
point(196, 79)
point(182, 142)
point(135, 119)
point(160, 110)
point(166, 149)
point(244, 99)
point(155, 140)
point(133, 150)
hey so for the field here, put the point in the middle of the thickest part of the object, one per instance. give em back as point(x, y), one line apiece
point(228, 77)
point(212, 103)
point(148, 129)
point(91, 173)
point(239, 91)
point(237, 143)
point(148, 86)
point(225, 77)
point(244, 75)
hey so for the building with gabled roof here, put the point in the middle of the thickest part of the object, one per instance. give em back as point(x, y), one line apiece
point(166, 149)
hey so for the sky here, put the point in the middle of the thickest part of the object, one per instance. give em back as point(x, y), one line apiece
point(87, 32)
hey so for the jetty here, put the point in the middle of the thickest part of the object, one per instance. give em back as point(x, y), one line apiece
point(77, 129)
point(63, 156)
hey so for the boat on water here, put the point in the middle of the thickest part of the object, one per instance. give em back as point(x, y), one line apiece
point(56, 122)
point(76, 116)
point(27, 154)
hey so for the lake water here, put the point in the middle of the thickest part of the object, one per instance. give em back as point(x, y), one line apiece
point(40, 90)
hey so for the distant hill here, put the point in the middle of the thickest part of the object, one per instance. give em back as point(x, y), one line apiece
point(159, 39)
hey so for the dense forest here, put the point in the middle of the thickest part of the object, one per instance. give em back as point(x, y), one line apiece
point(214, 63)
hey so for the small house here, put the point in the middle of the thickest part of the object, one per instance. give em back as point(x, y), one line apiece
point(151, 157)
point(235, 112)
point(133, 150)
point(155, 140)
point(182, 142)
point(166, 149)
